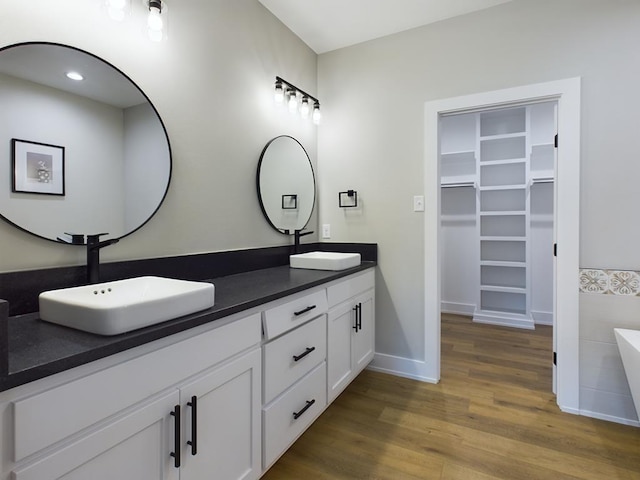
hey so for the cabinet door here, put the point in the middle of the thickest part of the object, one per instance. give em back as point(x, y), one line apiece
point(137, 445)
point(341, 321)
point(364, 336)
point(227, 422)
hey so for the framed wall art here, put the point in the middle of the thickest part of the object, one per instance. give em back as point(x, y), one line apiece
point(37, 167)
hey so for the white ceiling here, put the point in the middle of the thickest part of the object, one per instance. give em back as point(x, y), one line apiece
point(327, 25)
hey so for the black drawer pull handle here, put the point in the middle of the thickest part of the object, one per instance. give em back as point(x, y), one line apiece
point(303, 354)
point(297, 415)
point(355, 326)
point(359, 316)
point(194, 425)
point(304, 310)
point(176, 438)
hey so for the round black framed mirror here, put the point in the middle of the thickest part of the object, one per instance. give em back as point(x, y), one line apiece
point(81, 155)
point(286, 184)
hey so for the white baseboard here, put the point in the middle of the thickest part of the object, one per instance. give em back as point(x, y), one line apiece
point(610, 418)
point(401, 367)
point(457, 308)
point(504, 320)
point(542, 318)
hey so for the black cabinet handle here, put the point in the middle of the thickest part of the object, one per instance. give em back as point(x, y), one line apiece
point(359, 316)
point(194, 425)
point(304, 310)
point(355, 326)
point(176, 438)
point(303, 354)
point(297, 415)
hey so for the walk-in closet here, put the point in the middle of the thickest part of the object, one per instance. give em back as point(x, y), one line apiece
point(497, 213)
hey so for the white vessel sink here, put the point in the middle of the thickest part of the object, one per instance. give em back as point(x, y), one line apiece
point(324, 260)
point(629, 346)
point(116, 307)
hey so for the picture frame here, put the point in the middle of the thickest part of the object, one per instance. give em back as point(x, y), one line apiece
point(37, 168)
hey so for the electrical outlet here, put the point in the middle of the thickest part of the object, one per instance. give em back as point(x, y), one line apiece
point(418, 203)
point(326, 230)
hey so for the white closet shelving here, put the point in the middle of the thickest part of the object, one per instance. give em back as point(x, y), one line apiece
point(504, 152)
point(503, 212)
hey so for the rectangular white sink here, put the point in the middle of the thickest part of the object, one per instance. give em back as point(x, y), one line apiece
point(116, 307)
point(324, 260)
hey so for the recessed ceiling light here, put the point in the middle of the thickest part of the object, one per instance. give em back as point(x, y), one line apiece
point(75, 76)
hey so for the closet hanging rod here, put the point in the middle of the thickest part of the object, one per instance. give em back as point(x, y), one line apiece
point(459, 184)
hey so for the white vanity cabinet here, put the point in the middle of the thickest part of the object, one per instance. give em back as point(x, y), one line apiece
point(222, 433)
point(294, 383)
point(133, 446)
point(223, 400)
point(136, 419)
point(350, 330)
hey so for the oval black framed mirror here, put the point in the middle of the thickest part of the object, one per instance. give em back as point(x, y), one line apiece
point(286, 184)
point(81, 156)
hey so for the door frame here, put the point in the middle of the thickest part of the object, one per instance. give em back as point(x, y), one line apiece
point(567, 222)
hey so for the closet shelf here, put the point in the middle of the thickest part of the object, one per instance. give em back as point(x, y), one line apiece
point(459, 152)
point(499, 288)
point(503, 239)
point(542, 179)
point(503, 187)
point(453, 184)
point(542, 145)
point(502, 135)
point(502, 263)
point(503, 213)
point(505, 161)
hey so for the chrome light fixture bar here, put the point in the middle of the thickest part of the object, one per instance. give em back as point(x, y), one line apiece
point(287, 90)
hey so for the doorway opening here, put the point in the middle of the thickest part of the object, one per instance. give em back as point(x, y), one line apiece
point(497, 170)
point(566, 95)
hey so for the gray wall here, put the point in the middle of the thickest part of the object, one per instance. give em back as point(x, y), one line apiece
point(92, 134)
point(212, 83)
point(372, 140)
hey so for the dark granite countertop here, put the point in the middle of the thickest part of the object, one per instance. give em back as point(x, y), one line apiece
point(37, 349)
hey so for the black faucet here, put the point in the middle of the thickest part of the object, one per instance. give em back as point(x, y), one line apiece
point(93, 255)
point(296, 239)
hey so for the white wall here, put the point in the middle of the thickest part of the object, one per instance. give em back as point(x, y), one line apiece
point(372, 137)
point(212, 83)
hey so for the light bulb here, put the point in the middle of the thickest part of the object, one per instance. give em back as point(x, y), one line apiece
point(316, 116)
point(279, 93)
point(117, 9)
point(155, 22)
point(293, 101)
point(304, 108)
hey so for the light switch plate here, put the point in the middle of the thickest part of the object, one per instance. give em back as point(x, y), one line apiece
point(418, 203)
point(326, 230)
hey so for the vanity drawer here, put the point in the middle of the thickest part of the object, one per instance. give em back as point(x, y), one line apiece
point(52, 415)
point(286, 359)
point(343, 291)
point(295, 312)
point(305, 400)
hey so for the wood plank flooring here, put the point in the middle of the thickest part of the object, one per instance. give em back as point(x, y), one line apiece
point(491, 417)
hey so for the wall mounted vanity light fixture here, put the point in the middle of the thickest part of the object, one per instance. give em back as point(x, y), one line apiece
point(348, 199)
point(297, 100)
